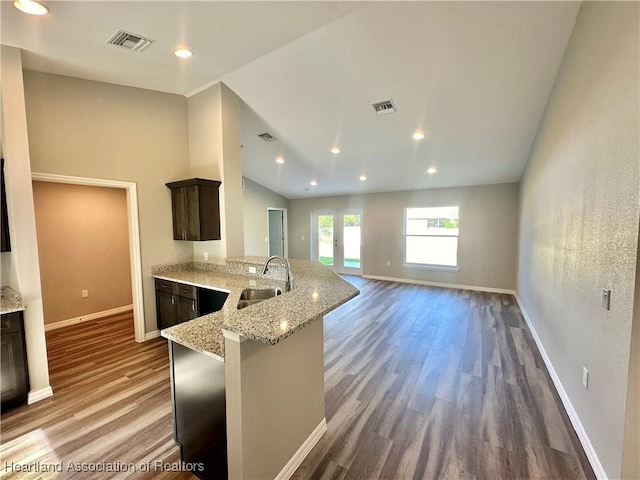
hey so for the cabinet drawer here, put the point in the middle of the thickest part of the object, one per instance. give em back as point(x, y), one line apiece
point(184, 290)
point(10, 323)
point(176, 288)
point(164, 286)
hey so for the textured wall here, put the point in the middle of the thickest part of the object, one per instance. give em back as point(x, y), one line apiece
point(631, 456)
point(255, 201)
point(488, 232)
point(579, 220)
point(215, 153)
point(83, 244)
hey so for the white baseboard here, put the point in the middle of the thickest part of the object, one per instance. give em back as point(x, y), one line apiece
point(37, 395)
point(150, 335)
point(598, 469)
point(88, 318)
point(293, 464)
point(444, 285)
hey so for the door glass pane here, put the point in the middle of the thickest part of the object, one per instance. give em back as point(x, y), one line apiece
point(352, 237)
point(325, 239)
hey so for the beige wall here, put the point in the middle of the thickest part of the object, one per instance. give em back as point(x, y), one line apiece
point(488, 232)
point(214, 153)
point(20, 268)
point(99, 130)
point(83, 244)
point(275, 400)
point(255, 201)
point(232, 172)
point(579, 221)
point(631, 452)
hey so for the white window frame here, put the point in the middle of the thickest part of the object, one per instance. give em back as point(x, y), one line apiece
point(429, 266)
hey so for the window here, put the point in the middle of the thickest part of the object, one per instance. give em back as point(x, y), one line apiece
point(431, 236)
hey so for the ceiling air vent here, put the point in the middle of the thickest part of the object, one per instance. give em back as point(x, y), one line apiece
point(130, 41)
point(267, 137)
point(385, 107)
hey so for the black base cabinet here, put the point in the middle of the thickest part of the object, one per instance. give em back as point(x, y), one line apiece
point(178, 302)
point(14, 376)
point(199, 412)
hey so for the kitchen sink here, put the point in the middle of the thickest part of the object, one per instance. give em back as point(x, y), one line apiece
point(249, 296)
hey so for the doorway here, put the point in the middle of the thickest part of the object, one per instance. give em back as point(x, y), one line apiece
point(337, 240)
point(134, 239)
point(277, 232)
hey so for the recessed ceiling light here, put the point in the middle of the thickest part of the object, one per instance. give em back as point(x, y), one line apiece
point(418, 135)
point(31, 7)
point(313, 183)
point(279, 160)
point(432, 170)
point(335, 150)
point(363, 178)
point(183, 53)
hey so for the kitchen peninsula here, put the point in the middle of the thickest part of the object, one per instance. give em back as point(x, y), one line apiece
point(248, 384)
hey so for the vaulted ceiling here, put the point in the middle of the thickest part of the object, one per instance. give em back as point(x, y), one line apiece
point(474, 77)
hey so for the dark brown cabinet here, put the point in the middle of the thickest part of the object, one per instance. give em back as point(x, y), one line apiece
point(175, 303)
point(178, 302)
point(4, 218)
point(14, 376)
point(195, 205)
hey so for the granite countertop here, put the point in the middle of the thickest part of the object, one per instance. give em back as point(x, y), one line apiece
point(317, 291)
point(10, 301)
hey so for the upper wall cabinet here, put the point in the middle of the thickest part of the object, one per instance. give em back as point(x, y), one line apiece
point(4, 220)
point(196, 209)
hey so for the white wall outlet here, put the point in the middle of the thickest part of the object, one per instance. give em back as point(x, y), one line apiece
point(302, 238)
point(606, 299)
point(388, 263)
point(252, 283)
point(85, 293)
point(585, 377)
point(206, 256)
point(252, 269)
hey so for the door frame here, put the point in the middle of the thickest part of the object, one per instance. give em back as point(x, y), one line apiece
point(134, 238)
point(285, 228)
point(338, 214)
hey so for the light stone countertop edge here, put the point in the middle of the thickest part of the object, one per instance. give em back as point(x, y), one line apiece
point(10, 301)
point(318, 290)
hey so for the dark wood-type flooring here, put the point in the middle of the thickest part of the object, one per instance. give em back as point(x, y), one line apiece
point(420, 382)
point(111, 403)
point(435, 383)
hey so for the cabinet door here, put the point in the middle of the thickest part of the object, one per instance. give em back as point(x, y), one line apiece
point(209, 213)
point(166, 310)
point(8, 378)
point(179, 202)
point(14, 383)
point(187, 308)
point(192, 213)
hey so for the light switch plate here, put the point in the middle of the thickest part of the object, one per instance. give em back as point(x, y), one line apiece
point(585, 377)
point(606, 299)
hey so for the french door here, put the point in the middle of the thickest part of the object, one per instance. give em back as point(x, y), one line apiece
point(337, 240)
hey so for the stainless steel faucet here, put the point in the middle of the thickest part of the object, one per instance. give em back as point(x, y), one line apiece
point(289, 279)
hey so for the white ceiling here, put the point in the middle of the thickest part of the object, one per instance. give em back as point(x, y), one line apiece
point(474, 76)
